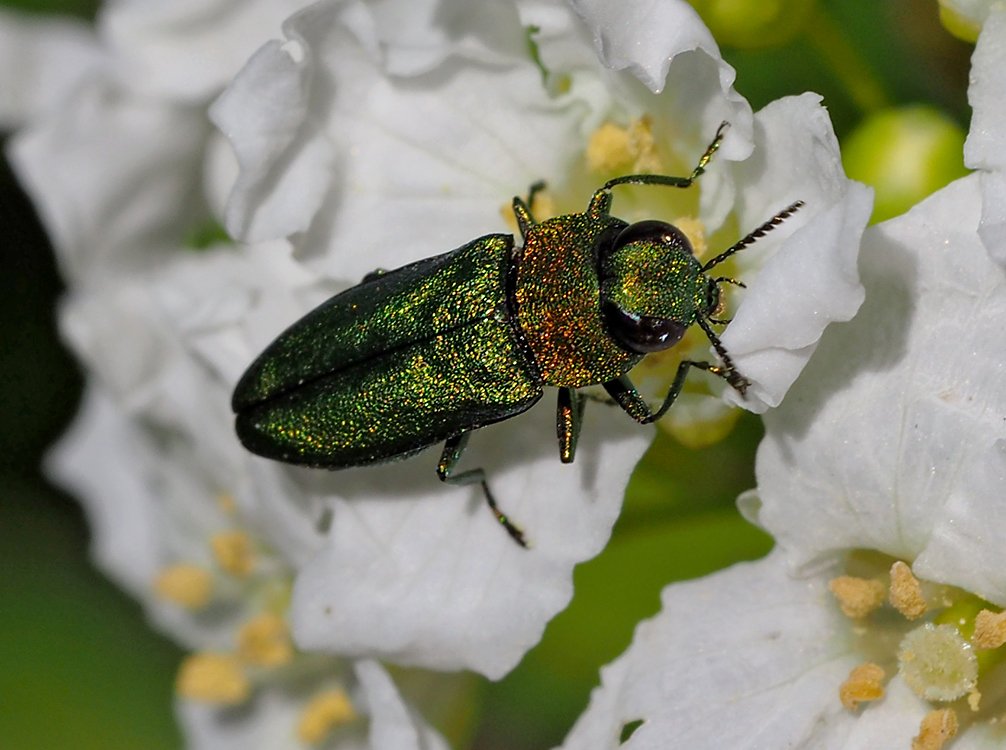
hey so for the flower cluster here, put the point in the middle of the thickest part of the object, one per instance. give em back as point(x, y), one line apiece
point(356, 136)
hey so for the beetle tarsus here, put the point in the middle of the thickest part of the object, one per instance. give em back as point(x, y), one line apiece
point(453, 448)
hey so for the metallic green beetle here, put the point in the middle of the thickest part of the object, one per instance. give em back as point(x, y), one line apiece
point(433, 350)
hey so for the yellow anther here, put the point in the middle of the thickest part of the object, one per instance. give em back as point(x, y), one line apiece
point(990, 629)
point(937, 729)
point(233, 552)
point(185, 584)
point(857, 597)
point(865, 683)
point(213, 678)
point(325, 712)
point(608, 150)
point(265, 641)
point(225, 501)
point(906, 592)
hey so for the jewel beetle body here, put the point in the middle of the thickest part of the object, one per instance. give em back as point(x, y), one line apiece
point(429, 352)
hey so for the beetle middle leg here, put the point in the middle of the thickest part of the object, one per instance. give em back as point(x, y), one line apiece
point(453, 449)
point(568, 417)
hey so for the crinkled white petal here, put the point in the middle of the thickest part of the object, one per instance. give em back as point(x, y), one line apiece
point(187, 50)
point(965, 547)
point(746, 658)
point(394, 725)
point(150, 503)
point(643, 36)
point(985, 148)
point(877, 442)
point(271, 720)
point(421, 573)
point(41, 62)
point(384, 170)
point(115, 178)
point(807, 276)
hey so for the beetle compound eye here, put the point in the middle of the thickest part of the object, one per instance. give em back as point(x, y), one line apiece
point(642, 333)
point(653, 232)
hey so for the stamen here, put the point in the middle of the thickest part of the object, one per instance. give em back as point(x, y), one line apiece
point(857, 597)
point(865, 683)
point(325, 712)
point(990, 629)
point(265, 641)
point(233, 552)
point(185, 584)
point(937, 728)
point(213, 678)
point(613, 148)
point(906, 592)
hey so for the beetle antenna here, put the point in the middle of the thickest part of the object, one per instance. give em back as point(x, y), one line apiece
point(757, 234)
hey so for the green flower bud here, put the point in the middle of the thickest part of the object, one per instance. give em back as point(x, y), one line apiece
point(753, 24)
point(905, 154)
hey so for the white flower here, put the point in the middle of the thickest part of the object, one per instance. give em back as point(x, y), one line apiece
point(888, 449)
point(892, 439)
point(985, 148)
point(174, 522)
point(369, 145)
point(43, 61)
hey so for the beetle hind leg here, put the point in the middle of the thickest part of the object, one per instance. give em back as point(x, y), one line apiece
point(453, 449)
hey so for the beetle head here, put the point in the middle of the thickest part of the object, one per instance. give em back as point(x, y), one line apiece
point(653, 288)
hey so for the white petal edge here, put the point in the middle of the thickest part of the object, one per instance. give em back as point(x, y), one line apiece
point(985, 148)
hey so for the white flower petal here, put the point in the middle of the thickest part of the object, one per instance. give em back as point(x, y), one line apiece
point(421, 573)
point(393, 724)
point(811, 279)
point(41, 62)
point(109, 197)
point(873, 446)
point(985, 148)
point(454, 148)
point(965, 547)
point(745, 658)
point(643, 36)
point(187, 50)
point(285, 167)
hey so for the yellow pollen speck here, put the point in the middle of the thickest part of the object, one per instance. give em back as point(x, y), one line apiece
point(265, 641)
point(225, 501)
point(213, 678)
point(857, 597)
point(864, 684)
point(325, 712)
point(906, 592)
point(233, 552)
point(695, 230)
point(974, 699)
point(187, 585)
point(990, 629)
point(626, 150)
point(936, 729)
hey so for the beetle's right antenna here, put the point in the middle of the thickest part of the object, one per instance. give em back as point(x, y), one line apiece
point(757, 234)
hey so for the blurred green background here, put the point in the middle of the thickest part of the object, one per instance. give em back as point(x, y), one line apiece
point(79, 668)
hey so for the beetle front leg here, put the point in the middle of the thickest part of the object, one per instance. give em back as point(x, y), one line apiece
point(568, 417)
point(627, 397)
point(522, 208)
point(453, 449)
